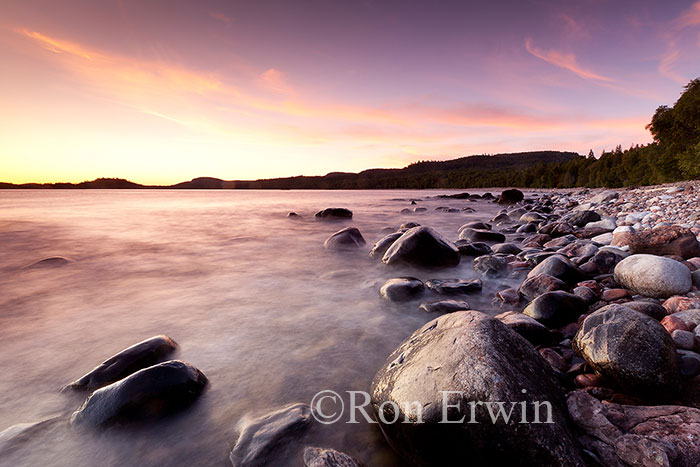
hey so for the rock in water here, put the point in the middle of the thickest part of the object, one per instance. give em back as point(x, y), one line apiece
point(631, 350)
point(52, 262)
point(627, 435)
point(444, 306)
point(334, 213)
point(260, 437)
point(666, 240)
point(151, 392)
point(653, 276)
point(454, 286)
point(541, 283)
point(383, 244)
point(422, 246)
point(319, 457)
point(347, 238)
point(555, 309)
point(401, 289)
point(128, 361)
point(479, 235)
point(490, 265)
point(511, 196)
point(482, 360)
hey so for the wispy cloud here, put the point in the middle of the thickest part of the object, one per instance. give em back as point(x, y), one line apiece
point(689, 18)
point(563, 60)
point(275, 81)
point(217, 15)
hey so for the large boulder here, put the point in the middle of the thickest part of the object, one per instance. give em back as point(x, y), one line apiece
point(126, 362)
point(560, 267)
point(653, 276)
point(631, 435)
point(422, 246)
point(467, 364)
point(665, 240)
point(555, 309)
point(151, 392)
point(630, 350)
point(511, 196)
point(347, 238)
point(334, 214)
point(401, 289)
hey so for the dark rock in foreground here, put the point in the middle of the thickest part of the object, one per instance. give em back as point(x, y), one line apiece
point(347, 238)
point(152, 392)
point(128, 361)
point(630, 350)
point(483, 360)
point(401, 289)
point(628, 435)
point(555, 309)
point(334, 213)
point(422, 246)
point(530, 329)
point(560, 267)
point(319, 457)
point(259, 438)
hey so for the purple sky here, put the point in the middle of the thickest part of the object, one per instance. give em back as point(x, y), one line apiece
point(163, 91)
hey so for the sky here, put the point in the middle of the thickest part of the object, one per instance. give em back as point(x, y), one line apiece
point(162, 91)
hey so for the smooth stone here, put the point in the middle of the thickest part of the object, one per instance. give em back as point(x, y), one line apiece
point(690, 317)
point(671, 240)
point(604, 197)
point(502, 219)
point(151, 392)
point(51, 262)
point(334, 213)
point(688, 363)
point(467, 248)
point(12, 437)
point(653, 276)
point(261, 437)
point(557, 229)
point(383, 244)
point(422, 246)
point(481, 359)
point(137, 357)
point(408, 225)
point(320, 457)
point(535, 286)
point(401, 289)
point(695, 277)
point(506, 249)
point(672, 323)
point(474, 225)
point(509, 296)
point(631, 350)
point(486, 236)
point(648, 308)
point(560, 267)
point(511, 196)
point(555, 360)
point(586, 294)
point(610, 295)
point(532, 216)
point(490, 265)
point(347, 238)
point(583, 217)
point(603, 224)
point(293, 214)
point(603, 239)
point(444, 306)
point(532, 330)
point(527, 228)
point(454, 286)
point(683, 339)
point(555, 309)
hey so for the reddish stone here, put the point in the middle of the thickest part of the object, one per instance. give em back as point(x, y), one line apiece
point(589, 267)
point(554, 359)
point(671, 323)
point(518, 265)
point(614, 294)
point(509, 296)
point(569, 330)
point(622, 238)
point(587, 380)
point(667, 240)
point(681, 303)
point(593, 285)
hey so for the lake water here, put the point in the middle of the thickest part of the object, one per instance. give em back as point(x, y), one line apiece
point(250, 295)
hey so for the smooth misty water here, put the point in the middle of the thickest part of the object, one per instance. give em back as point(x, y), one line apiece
point(251, 296)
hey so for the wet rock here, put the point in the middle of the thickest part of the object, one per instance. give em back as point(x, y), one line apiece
point(152, 392)
point(630, 435)
point(588, 380)
point(586, 294)
point(490, 265)
point(532, 217)
point(606, 260)
point(473, 355)
point(320, 457)
point(653, 276)
point(579, 250)
point(511, 196)
point(603, 239)
point(552, 357)
point(667, 240)
point(347, 238)
point(695, 276)
point(538, 239)
point(581, 218)
point(560, 267)
point(486, 236)
point(402, 289)
point(555, 309)
point(445, 306)
point(259, 438)
point(508, 296)
point(383, 244)
point(51, 262)
point(12, 437)
point(603, 225)
point(560, 242)
point(506, 249)
point(502, 219)
point(557, 229)
point(454, 286)
point(648, 308)
point(134, 358)
point(408, 225)
point(467, 248)
point(422, 246)
point(539, 284)
point(527, 228)
point(474, 225)
point(334, 213)
point(293, 214)
point(683, 339)
point(610, 295)
point(631, 350)
point(535, 332)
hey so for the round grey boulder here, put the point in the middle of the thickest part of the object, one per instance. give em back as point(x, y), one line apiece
point(653, 276)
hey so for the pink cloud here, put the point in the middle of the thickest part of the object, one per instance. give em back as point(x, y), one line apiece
point(220, 17)
point(564, 60)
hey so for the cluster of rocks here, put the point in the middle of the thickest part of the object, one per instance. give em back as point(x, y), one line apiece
point(604, 326)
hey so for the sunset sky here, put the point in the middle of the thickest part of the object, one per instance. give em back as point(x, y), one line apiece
point(163, 91)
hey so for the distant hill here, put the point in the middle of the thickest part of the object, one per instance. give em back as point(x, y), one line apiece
point(464, 172)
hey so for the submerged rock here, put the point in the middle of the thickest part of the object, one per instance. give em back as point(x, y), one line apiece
point(334, 213)
point(454, 286)
point(260, 437)
point(51, 262)
point(653, 276)
point(467, 248)
point(490, 265)
point(444, 306)
point(347, 238)
point(511, 196)
point(481, 360)
point(478, 235)
point(134, 358)
point(383, 244)
point(422, 246)
point(402, 289)
point(151, 392)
